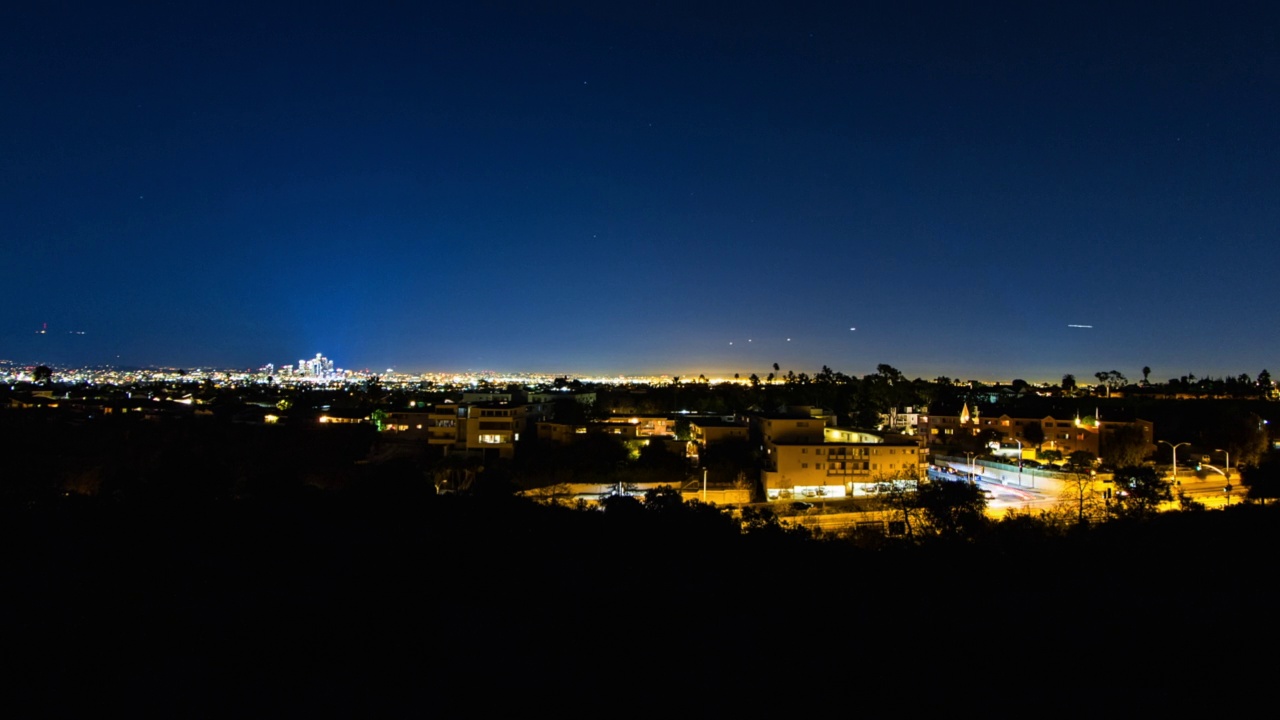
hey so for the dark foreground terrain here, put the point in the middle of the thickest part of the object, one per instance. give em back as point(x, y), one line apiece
point(405, 601)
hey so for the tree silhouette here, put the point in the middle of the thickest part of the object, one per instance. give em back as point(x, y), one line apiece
point(1034, 433)
point(1140, 490)
point(1078, 490)
point(1262, 480)
point(1125, 445)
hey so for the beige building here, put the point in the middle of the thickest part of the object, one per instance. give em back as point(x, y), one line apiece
point(487, 429)
point(711, 431)
point(837, 463)
point(627, 427)
point(1065, 435)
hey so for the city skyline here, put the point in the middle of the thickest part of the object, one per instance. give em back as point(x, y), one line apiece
point(999, 192)
point(324, 369)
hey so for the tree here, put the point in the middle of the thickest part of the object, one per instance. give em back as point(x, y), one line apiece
point(1081, 460)
point(1262, 480)
point(1140, 490)
point(1146, 372)
point(42, 374)
point(621, 505)
point(663, 498)
point(1111, 380)
point(941, 508)
point(569, 411)
point(1069, 384)
point(952, 509)
point(598, 454)
point(1078, 490)
point(1050, 456)
point(1034, 434)
point(731, 461)
point(1125, 445)
point(896, 496)
point(1246, 439)
point(660, 464)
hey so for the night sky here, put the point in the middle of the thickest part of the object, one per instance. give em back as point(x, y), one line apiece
point(677, 187)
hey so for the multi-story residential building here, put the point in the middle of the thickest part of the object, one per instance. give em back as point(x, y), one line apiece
point(409, 424)
point(487, 429)
point(904, 421)
point(1065, 435)
point(799, 424)
point(626, 426)
point(837, 463)
point(714, 430)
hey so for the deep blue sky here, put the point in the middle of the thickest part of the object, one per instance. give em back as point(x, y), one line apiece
point(583, 189)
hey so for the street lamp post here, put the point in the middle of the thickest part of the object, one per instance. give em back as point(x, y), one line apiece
point(1227, 474)
point(1174, 448)
point(1019, 461)
point(969, 456)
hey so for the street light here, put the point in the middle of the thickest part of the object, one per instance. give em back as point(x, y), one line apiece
point(1224, 452)
point(969, 457)
point(1174, 448)
point(1227, 474)
point(1019, 461)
